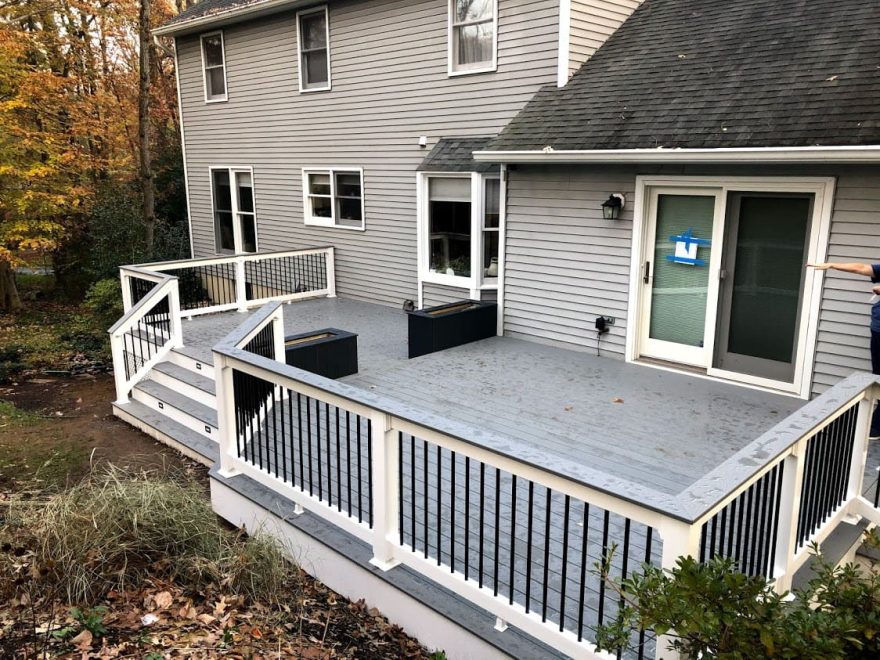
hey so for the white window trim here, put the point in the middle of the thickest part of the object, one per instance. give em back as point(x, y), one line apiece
point(817, 248)
point(475, 283)
point(225, 97)
point(299, 51)
point(315, 221)
point(236, 227)
point(479, 68)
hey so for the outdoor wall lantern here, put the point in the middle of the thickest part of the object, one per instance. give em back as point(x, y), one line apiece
point(611, 207)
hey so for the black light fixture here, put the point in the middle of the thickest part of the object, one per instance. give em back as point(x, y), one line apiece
point(611, 207)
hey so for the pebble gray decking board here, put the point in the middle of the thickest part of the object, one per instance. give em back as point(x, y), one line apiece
point(670, 430)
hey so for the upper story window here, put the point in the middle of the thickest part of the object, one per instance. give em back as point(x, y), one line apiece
point(473, 36)
point(313, 34)
point(214, 65)
point(334, 198)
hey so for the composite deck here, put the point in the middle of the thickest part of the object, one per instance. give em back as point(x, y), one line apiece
point(648, 426)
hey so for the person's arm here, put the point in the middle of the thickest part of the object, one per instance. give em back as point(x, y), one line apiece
point(857, 269)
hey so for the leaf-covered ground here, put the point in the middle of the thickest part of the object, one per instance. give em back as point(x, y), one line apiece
point(54, 431)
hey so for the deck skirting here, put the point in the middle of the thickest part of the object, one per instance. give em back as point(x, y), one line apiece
point(437, 618)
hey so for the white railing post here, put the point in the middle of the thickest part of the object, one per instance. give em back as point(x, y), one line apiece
point(385, 490)
point(225, 391)
point(789, 514)
point(240, 285)
point(125, 281)
point(860, 444)
point(278, 335)
point(174, 310)
point(330, 261)
point(117, 350)
point(680, 539)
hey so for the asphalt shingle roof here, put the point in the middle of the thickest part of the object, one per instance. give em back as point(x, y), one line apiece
point(208, 7)
point(718, 73)
point(456, 155)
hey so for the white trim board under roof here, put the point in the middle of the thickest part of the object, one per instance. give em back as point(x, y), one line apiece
point(244, 9)
point(821, 154)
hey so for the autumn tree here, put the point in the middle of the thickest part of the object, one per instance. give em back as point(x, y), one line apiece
point(76, 116)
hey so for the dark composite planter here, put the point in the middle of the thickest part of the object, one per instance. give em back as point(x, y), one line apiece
point(437, 328)
point(329, 352)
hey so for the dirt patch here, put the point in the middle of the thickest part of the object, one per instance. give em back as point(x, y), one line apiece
point(67, 428)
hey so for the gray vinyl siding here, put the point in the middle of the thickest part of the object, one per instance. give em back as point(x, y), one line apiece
point(389, 86)
point(566, 265)
point(592, 22)
point(439, 294)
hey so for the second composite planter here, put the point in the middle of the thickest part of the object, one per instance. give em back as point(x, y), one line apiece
point(445, 326)
point(329, 352)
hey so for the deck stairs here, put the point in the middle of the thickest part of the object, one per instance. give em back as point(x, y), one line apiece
point(176, 405)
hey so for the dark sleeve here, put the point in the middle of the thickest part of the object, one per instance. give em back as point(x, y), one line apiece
point(875, 276)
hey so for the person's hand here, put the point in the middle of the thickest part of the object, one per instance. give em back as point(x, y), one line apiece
point(876, 290)
point(824, 266)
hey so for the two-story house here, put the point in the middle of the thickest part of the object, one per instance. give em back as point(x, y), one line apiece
point(305, 123)
point(634, 189)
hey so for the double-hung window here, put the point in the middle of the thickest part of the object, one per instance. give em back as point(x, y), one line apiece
point(473, 36)
point(333, 197)
point(235, 220)
point(214, 66)
point(461, 226)
point(313, 34)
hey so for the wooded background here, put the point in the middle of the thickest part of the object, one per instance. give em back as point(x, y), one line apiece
point(91, 174)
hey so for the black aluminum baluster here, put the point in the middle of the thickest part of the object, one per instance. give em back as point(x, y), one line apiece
point(482, 518)
point(565, 515)
point(585, 537)
point(467, 515)
point(529, 525)
point(775, 535)
point(605, 564)
point(649, 533)
point(624, 567)
point(309, 444)
point(412, 479)
point(360, 479)
point(512, 559)
point(348, 460)
point(547, 513)
point(497, 529)
point(439, 503)
point(399, 490)
point(453, 494)
point(370, 469)
point(425, 493)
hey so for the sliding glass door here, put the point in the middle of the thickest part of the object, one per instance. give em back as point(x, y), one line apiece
point(762, 283)
point(235, 221)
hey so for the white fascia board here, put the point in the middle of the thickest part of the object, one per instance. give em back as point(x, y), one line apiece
point(831, 154)
point(223, 17)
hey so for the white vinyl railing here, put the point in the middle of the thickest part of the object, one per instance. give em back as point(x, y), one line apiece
point(147, 332)
point(508, 534)
point(244, 281)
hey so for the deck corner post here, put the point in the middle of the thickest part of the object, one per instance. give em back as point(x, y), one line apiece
point(385, 490)
point(331, 272)
point(174, 309)
point(225, 391)
point(789, 514)
point(680, 539)
point(125, 282)
point(278, 335)
point(861, 443)
point(240, 285)
point(117, 350)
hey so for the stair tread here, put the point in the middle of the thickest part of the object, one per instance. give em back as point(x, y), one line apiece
point(185, 375)
point(178, 432)
point(183, 403)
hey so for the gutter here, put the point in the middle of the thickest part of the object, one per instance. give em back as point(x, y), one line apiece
point(230, 15)
point(829, 154)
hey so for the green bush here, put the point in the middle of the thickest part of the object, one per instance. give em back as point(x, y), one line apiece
point(104, 302)
point(712, 611)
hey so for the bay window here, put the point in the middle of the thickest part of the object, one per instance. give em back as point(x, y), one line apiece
point(460, 229)
point(473, 27)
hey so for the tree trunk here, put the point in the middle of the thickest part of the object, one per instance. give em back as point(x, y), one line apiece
point(9, 299)
point(146, 169)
